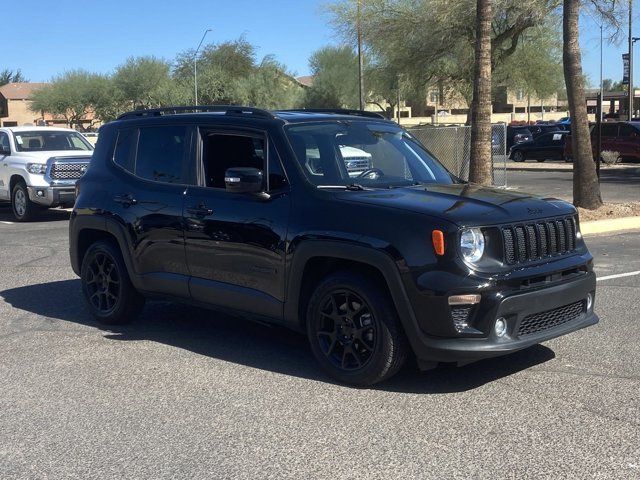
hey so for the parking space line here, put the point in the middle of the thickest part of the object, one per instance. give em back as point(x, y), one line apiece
point(7, 223)
point(619, 275)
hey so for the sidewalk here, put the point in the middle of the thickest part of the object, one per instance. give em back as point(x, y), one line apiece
point(561, 166)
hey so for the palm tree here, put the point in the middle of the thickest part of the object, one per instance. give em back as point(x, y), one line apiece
point(586, 189)
point(480, 164)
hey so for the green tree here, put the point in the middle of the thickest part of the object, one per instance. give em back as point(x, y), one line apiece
point(609, 85)
point(335, 78)
point(9, 76)
point(72, 95)
point(269, 86)
point(142, 82)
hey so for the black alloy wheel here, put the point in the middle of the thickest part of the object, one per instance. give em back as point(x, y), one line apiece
point(354, 330)
point(518, 156)
point(347, 330)
point(106, 285)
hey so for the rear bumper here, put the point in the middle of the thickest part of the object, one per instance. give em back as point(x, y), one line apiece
point(514, 308)
point(52, 196)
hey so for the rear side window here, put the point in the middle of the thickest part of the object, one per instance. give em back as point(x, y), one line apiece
point(609, 130)
point(627, 130)
point(124, 153)
point(162, 154)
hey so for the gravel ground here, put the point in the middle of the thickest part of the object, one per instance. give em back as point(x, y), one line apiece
point(186, 393)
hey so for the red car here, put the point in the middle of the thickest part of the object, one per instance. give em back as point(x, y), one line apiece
point(621, 137)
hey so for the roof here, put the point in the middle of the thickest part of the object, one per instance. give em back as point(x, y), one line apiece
point(19, 91)
point(34, 128)
point(306, 80)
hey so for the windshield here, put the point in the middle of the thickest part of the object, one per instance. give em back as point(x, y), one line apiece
point(52, 140)
point(370, 154)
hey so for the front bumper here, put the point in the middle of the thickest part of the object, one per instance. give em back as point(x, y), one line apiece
point(514, 308)
point(52, 196)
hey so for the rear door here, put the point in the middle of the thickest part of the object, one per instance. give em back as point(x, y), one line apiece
point(235, 242)
point(629, 141)
point(156, 166)
point(4, 180)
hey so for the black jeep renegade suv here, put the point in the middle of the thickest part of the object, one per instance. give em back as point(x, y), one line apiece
point(334, 223)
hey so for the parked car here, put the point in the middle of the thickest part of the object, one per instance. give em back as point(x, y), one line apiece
point(222, 209)
point(620, 137)
point(517, 134)
point(548, 146)
point(537, 130)
point(39, 167)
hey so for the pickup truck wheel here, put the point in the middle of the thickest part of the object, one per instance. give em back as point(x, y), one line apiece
point(23, 208)
point(106, 286)
point(354, 331)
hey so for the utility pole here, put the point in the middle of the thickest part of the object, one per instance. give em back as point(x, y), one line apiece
point(601, 80)
point(360, 59)
point(630, 60)
point(195, 67)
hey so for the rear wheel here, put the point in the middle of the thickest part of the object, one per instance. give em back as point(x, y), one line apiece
point(106, 286)
point(23, 208)
point(540, 160)
point(354, 331)
point(518, 156)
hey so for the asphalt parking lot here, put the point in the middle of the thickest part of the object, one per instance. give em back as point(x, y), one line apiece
point(187, 393)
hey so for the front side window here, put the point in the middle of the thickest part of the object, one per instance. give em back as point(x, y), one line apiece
point(162, 154)
point(50, 141)
point(4, 140)
point(221, 151)
point(627, 130)
point(372, 154)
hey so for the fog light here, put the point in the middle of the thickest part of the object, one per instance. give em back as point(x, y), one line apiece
point(500, 327)
point(589, 302)
point(40, 193)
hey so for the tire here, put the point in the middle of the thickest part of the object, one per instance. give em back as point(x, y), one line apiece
point(540, 160)
point(106, 285)
point(518, 156)
point(568, 159)
point(23, 208)
point(354, 331)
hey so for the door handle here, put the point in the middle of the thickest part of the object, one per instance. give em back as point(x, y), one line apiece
point(125, 200)
point(199, 211)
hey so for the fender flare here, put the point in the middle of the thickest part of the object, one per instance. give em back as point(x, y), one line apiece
point(377, 259)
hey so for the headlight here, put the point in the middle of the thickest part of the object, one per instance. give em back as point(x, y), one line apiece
point(472, 244)
point(37, 168)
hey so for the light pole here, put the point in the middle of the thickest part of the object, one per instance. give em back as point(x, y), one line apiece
point(195, 67)
point(630, 60)
point(360, 58)
point(633, 41)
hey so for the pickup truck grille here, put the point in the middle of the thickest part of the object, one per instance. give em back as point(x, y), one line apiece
point(357, 164)
point(532, 241)
point(68, 171)
point(539, 322)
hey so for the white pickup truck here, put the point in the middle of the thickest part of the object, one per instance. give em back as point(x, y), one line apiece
point(39, 167)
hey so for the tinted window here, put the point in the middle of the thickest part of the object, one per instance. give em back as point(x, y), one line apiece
point(627, 130)
point(4, 140)
point(162, 153)
point(123, 154)
point(608, 130)
point(223, 151)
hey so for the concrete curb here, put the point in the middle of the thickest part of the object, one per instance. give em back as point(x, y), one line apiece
point(596, 227)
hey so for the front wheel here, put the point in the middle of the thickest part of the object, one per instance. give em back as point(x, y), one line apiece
point(540, 160)
point(23, 208)
point(518, 156)
point(354, 331)
point(106, 286)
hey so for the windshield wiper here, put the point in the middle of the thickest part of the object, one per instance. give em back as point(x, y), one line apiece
point(351, 186)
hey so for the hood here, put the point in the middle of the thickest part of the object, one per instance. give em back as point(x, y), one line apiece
point(44, 156)
point(465, 205)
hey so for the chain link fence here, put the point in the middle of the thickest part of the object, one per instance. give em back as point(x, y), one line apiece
point(452, 146)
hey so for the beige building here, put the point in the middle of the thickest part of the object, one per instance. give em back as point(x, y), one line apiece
point(15, 100)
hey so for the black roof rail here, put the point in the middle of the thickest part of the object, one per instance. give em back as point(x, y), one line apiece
point(339, 111)
point(226, 109)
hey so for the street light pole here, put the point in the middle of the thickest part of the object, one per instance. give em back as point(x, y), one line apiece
point(630, 60)
point(601, 84)
point(360, 59)
point(195, 67)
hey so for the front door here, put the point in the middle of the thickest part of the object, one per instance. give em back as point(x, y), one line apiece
point(235, 242)
point(4, 168)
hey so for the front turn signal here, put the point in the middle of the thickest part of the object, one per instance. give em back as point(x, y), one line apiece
point(437, 237)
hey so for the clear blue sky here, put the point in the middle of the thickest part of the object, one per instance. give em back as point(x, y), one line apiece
point(44, 38)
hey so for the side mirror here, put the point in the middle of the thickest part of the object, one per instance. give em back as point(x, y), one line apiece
point(243, 180)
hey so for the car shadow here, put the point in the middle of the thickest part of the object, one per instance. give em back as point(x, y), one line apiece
point(45, 215)
point(235, 339)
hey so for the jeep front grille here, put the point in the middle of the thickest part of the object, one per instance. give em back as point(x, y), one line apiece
point(539, 322)
point(532, 241)
point(68, 171)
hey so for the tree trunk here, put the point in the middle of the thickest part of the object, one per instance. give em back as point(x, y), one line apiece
point(586, 188)
point(480, 163)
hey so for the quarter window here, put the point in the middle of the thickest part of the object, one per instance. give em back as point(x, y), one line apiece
point(161, 155)
point(124, 153)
